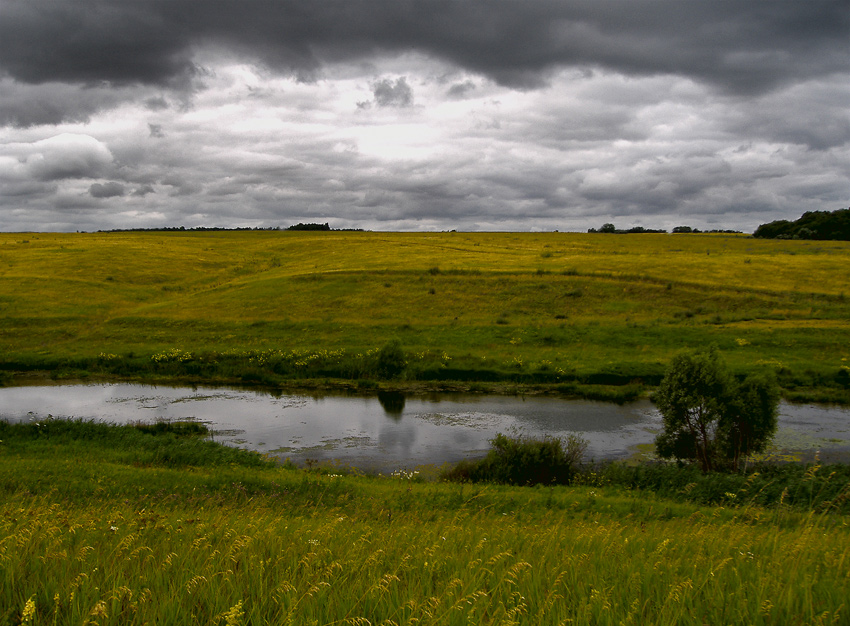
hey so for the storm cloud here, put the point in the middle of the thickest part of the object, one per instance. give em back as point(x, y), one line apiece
point(486, 114)
point(107, 190)
point(742, 45)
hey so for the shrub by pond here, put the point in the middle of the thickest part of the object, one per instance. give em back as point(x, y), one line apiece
point(521, 460)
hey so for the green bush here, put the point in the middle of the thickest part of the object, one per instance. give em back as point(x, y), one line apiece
point(523, 460)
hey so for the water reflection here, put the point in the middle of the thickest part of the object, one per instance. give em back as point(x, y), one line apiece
point(389, 431)
point(392, 402)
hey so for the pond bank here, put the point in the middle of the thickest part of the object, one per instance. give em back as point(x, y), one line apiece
point(570, 391)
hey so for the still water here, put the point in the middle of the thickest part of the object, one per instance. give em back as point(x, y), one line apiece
point(388, 431)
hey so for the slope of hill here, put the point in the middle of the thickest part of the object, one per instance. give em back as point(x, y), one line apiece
point(564, 309)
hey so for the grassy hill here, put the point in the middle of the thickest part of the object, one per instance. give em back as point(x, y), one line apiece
point(566, 310)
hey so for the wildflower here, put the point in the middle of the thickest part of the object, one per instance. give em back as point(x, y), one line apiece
point(234, 616)
point(405, 475)
point(28, 613)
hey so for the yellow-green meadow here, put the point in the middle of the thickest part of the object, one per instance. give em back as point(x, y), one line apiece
point(568, 309)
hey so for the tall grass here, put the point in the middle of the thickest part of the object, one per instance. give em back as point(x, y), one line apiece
point(259, 562)
point(231, 544)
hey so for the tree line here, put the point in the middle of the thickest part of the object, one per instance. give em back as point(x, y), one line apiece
point(171, 229)
point(820, 225)
point(611, 229)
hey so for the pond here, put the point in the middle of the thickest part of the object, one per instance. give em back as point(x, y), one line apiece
point(387, 431)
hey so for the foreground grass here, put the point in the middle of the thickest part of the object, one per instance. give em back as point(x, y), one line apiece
point(561, 309)
point(108, 533)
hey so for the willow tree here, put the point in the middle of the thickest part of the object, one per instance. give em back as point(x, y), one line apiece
point(711, 418)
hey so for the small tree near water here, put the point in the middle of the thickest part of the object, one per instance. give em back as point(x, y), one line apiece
point(710, 417)
point(752, 419)
point(391, 360)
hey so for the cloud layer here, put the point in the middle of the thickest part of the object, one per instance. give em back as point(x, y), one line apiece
point(415, 115)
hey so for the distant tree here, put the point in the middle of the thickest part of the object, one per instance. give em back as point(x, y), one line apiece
point(640, 230)
point(301, 226)
point(711, 418)
point(780, 229)
point(683, 229)
point(634, 230)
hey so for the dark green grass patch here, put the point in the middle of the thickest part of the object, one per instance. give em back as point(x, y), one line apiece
point(810, 487)
point(181, 444)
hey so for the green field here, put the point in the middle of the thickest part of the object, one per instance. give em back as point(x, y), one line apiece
point(568, 311)
point(107, 525)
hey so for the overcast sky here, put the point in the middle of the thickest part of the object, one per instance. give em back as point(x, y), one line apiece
point(422, 115)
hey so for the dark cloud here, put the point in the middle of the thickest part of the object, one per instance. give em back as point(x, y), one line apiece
point(396, 94)
point(743, 46)
point(92, 41)
point(156, 103)
point(460, 90)
point(181, 186)
point(143, 191)
point(107, 190)
point(812, 114)
point(25, 105)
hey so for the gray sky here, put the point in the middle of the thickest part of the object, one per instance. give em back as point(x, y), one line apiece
point(422, 115)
